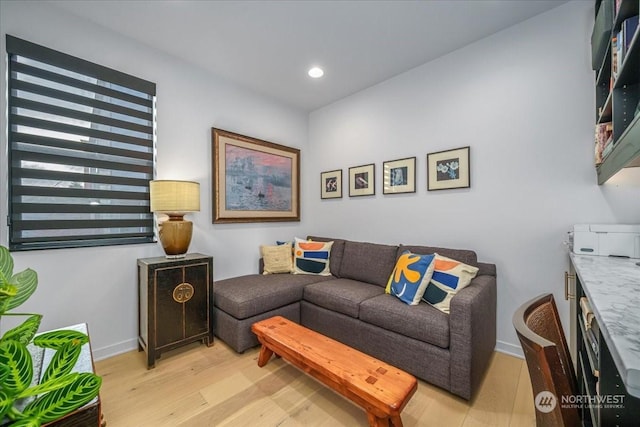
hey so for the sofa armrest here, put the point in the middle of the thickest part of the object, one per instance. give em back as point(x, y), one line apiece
point(472, 324)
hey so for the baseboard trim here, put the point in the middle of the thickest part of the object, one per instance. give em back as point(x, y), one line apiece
point(129, 345)
point(508, 348)
point(115, 349)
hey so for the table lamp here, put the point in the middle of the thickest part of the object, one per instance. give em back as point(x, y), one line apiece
point(175, 198)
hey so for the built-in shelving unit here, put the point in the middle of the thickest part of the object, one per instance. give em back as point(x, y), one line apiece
point(617, 96)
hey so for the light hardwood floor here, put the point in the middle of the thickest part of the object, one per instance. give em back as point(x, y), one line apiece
point(203, 386)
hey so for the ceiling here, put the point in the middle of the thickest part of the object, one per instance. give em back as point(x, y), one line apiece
point(268, 46)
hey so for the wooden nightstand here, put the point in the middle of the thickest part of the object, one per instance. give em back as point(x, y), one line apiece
point(175, 303)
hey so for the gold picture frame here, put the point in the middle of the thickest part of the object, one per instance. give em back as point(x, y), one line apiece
point(253, 180)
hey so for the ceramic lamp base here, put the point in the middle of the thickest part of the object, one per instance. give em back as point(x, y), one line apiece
point(175, 236)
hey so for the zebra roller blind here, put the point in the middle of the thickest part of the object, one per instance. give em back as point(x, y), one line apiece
point(81, 151)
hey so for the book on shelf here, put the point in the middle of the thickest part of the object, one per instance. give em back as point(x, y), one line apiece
point(603, 138)
point(614, 58)
point(625, 35)
point(629, 28)
point(619, 53)
point(593, 341)
point(587, 312)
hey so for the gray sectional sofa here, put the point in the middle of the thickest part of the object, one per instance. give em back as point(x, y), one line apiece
point(448, 350)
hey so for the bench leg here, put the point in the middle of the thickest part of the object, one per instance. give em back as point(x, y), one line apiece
point(378, 422)
point(265, 355)
point(395, 421)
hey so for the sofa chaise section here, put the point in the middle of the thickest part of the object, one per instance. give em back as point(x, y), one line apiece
point(242, 301)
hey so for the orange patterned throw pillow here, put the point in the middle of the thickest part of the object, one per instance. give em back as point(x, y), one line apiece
point(448, 278)
point(311, 257)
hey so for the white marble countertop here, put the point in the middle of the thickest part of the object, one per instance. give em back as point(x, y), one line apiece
point(612, 286)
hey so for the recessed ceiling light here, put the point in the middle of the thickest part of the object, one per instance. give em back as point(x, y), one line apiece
point(316, 72)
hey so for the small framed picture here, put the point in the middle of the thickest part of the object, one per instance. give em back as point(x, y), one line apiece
point(362, 180)
point(448, 169)
point(399, 176)
point(331, 184)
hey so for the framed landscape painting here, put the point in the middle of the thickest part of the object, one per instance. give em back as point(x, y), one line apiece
point(331, 184)
point(448, 169)
point(362, 180)
point(254, 180)
point(399, 176)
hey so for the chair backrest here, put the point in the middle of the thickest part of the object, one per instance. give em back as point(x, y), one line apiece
point(545, 348)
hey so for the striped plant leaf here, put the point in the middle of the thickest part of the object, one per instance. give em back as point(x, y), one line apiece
point(4, 371)
point(26, 281)
point(63, 361)
point(16, 357)
point(25, 332)
point(6, 264)
point(62, 401)
point(57, 339)
point(6, 402)
point(50, 385)
point(7, 292)
point(27, 422)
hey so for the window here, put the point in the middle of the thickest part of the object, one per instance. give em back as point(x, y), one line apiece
point(81, 151)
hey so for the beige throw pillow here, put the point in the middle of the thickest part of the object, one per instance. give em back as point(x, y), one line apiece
point(277, 259)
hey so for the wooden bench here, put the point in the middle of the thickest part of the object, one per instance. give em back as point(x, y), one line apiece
point(381, 389)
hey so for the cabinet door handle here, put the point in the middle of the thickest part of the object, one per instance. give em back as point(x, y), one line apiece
point(567, 277)
point(183, 292)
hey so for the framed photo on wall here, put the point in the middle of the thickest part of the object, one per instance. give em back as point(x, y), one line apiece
point(362, 180)
point(399, 176)
point(448, 169)
point(254, 180)
point(331, 184)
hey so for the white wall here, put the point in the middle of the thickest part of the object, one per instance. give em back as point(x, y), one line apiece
point(523, 99)
point(99, 285)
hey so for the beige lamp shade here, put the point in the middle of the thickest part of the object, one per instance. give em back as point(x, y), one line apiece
point(174, 196)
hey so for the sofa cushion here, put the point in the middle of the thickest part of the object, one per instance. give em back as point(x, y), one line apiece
point(464, 255)
point(277, 259)
point(449, 277)
point(337, 250)
point(410, 277)
point(311, 257)
point(368, 262)
point(422, 322)
point(247, 296)
point(341, 295)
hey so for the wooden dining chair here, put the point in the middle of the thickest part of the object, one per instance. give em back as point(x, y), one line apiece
point(545, 349)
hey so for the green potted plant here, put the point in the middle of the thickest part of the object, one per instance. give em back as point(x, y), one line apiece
point(25, 400)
